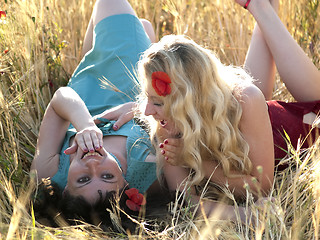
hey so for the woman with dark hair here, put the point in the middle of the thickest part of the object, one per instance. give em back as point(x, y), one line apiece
point(80, 153)
point(110, 211)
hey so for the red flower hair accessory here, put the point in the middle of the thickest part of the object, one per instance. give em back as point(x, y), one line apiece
point(161, 83)
point(136, 199)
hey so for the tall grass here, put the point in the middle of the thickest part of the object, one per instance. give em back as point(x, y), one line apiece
point(40, 46)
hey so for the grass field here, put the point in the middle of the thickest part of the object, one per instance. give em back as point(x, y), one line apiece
point(40, 46)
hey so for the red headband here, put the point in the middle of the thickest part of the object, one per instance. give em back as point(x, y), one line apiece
point(161, 83)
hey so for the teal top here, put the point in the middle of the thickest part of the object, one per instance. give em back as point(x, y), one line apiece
point(118, 42)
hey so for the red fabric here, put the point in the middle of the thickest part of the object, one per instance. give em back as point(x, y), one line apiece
point(288, 117)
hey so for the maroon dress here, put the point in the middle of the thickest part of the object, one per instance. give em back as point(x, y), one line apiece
point(288, 117)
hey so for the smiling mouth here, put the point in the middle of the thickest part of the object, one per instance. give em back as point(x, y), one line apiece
point(163, 123)
point(88, 154)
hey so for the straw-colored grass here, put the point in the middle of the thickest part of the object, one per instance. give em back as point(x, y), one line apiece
point(40, 46)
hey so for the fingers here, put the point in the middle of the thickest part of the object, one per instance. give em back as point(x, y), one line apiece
point(123, 119)
point(96, 120)
point(89, 139)
point(171, 150)
point(72, 149)
point(75, 149)
point(110, 115)
point(121, 114)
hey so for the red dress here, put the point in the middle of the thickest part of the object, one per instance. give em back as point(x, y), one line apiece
point(288, 117)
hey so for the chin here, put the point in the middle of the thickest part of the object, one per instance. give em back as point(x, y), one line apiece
point(172, 132)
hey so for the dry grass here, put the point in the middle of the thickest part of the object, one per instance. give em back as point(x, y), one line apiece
point(40, 46)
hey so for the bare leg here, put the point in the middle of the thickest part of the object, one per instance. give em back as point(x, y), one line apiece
point(297, 71)
point(106, 8)
point(260, 64)
point(148, 28)
point(88, 39)
point(259, 61)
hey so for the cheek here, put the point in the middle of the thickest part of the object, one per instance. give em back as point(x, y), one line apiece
point(161, 113)
point(74, 171)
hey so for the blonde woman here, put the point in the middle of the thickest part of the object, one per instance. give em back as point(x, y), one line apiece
point(215, 121)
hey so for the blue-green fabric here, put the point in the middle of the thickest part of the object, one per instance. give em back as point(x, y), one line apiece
point(118, 42)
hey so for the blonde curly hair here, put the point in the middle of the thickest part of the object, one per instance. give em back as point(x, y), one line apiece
point(203, 103)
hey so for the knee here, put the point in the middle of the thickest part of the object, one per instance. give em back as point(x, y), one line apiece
point(106, 8)
point(148, 28)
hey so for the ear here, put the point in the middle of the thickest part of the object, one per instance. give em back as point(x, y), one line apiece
point(65, 191)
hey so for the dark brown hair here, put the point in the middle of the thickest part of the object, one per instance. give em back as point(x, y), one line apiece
point(56, 208)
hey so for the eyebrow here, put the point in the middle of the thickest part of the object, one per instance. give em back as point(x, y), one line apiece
point(90, 182)
point(151, 96)
point(155, 98)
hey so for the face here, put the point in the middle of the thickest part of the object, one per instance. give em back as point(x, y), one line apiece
point(155, 108)
point(91, 172)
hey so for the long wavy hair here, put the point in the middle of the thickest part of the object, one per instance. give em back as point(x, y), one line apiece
point(203, 103)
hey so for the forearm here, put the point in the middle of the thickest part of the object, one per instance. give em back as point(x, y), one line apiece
point(219, 210)
point(175, 177)
point(237, 183)
point(69, 106)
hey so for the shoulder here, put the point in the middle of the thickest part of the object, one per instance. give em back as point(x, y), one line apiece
point(250, 93)
point(251, 98)
point(253, 104)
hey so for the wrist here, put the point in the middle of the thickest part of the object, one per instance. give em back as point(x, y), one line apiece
point(83, 124)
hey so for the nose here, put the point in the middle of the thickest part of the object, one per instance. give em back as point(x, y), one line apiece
point(149, 110)
point(92, 163)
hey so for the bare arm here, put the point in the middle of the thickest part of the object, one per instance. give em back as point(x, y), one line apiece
point(175, 177)
point(256, 129)
point(65, 107)
point(121, 114)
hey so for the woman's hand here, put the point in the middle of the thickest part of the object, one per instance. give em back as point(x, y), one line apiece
point(171, 150)
point(171, 145)
point(121, 114)
point(88, 139)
